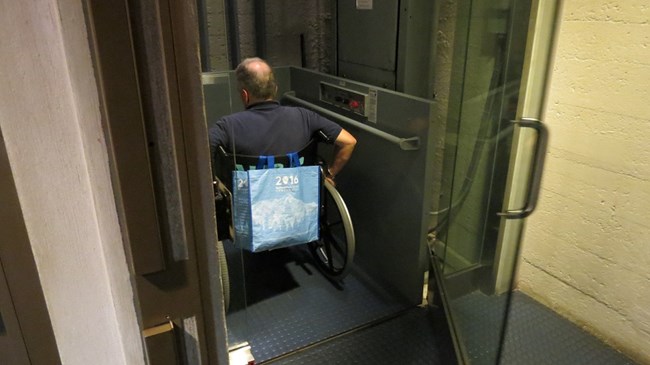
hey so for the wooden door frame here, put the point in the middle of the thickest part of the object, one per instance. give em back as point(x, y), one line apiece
point(114, 57)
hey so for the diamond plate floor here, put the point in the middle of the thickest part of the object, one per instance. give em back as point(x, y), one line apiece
point(409, 339)
point(291, 305)
point(535, 334)
point(292, 309)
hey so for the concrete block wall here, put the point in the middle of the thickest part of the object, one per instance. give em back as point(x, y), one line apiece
point(445, 36)
point(586, 250)
point(217, 35)
point(246, 28)
point(285, 22)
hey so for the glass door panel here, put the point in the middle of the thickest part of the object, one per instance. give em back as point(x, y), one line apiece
point(221, 98)
point(489, 71)
point(488, 65)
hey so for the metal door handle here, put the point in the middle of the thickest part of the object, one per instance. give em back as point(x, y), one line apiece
point(538, 167)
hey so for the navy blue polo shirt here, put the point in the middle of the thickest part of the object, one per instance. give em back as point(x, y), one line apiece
point(269, 128)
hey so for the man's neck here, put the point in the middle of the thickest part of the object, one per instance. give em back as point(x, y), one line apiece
point(255, 102)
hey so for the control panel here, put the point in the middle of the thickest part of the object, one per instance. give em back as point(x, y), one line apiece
point(344, 98)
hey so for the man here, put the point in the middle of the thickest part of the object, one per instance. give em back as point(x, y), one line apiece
point(268, 128)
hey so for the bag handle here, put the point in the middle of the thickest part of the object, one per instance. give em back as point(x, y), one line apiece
point(294, 160)
point(265, 162)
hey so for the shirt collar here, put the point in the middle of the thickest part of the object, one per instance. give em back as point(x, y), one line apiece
point(263, 105)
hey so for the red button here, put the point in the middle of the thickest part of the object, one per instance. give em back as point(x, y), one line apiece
point(354, 104)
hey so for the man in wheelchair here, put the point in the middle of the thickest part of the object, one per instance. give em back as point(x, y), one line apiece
point(266, 128)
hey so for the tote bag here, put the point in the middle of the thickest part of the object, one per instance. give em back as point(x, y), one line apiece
point(275, 207)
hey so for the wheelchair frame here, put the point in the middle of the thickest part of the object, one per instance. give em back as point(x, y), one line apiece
point(333, 252)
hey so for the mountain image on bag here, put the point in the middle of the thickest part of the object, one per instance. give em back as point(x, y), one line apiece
point(286, 214)
point(276, 207)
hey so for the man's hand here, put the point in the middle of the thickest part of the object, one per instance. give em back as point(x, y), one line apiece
point(329, 180)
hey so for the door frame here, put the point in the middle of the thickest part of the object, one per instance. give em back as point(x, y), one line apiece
point(111, 38)
point(29, 320)
point(524, 173)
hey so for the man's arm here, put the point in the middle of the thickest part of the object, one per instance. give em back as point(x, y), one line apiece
point(343, 147)
point(217, 136)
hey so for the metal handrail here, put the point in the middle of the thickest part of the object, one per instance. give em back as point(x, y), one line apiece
point(407, 144)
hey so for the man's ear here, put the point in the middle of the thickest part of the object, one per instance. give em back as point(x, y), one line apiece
point(245, 96)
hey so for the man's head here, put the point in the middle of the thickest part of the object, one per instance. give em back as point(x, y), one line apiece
point(256, 81)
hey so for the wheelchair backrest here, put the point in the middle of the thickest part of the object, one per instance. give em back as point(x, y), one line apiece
point(227, 162)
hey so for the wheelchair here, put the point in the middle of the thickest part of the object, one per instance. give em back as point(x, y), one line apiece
point(333, 252)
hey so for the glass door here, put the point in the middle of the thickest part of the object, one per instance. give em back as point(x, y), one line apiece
point(493, 160)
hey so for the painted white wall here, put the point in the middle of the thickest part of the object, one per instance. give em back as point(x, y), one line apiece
point(586, 252)
point(49, 115)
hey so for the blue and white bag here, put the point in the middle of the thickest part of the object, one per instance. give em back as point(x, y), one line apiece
point(275, 208)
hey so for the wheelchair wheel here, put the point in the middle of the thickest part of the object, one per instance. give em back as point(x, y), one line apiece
point(334, 251)
point(225, 276)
